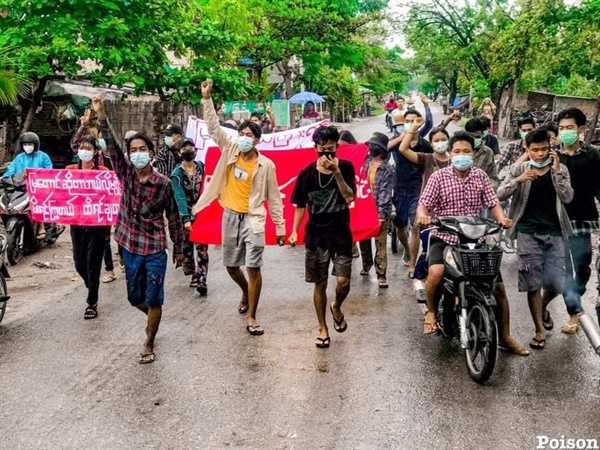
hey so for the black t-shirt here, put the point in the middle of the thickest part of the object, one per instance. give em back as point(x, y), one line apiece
point(328, 224)
point(408, 175)
point(540, 216)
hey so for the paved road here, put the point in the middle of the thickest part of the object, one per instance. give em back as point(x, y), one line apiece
point(70, 384)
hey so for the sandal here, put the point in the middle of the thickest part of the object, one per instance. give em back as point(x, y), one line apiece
point(91, 312)
point(147, 358)
point(429, 327)
point(339, 325)
point(365, 272)
point(383, 283)
point(243, 308)
point(538, 344)
point(323, 342)
point(194, 282)
point(570, 328)
point(202, 289)
point(548, 322)
point(109, 278)
point(255, 330)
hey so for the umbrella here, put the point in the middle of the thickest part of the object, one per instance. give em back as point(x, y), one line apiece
point(304, 97)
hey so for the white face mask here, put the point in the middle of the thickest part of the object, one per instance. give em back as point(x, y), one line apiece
point(85, 155)
point(28, 148)
point(169, 141)
point(441, 146)
point(245, 143)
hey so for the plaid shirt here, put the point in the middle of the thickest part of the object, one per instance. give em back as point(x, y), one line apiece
point(513, 151)
point(383, 187)
point(166, 162)
point(140, 226)
point(484, 160)
point(447, 195)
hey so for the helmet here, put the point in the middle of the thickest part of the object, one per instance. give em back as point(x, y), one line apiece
point(30, 138)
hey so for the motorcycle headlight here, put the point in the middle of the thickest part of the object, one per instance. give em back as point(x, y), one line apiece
point(473, 231)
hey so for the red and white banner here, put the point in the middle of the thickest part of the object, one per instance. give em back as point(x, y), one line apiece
point(294, 139)
point(289, 162)
point(74, 197)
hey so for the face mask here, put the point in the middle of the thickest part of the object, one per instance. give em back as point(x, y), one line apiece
point(532, 163)
point(245, 143)
point(477, 143)
point(374, 151)
point(28, 148)
point(523, 134)
point(486, 133)
point(188, 155)
point(139, 159)
point(568, 137)
point(329, 155)
point(102, 144)
point(85, 155)
point(441, 146)
point(169, 141)
point(408, 127)
point(462, 162)
point(399, 128)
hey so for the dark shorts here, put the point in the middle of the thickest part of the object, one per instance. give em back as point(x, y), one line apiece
point(541, 262)
point(406, 209)
point(317, 265)
point(145, 275)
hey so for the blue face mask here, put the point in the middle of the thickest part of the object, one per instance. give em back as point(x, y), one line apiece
point(462, 162)
point(140, 159)
point(399, 129)
point(102, 144)
point(532, 163)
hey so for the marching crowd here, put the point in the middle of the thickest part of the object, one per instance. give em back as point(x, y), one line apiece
point(420, 173)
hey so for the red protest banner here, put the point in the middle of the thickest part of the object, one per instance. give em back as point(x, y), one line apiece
point(74, 197)
point(363, 213)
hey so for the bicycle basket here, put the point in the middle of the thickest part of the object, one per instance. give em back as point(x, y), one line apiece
point(481, 262)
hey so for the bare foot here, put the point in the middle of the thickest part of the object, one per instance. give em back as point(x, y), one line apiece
point(513, 346)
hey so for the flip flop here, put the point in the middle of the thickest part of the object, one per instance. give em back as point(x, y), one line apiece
point(244, 308)
point(147, 358)
point(323, 342)
point(255, 330)
point(548, 322)
point(570, 328)
point(383, 284)
point(537, 344)
point(428, 326)
point(341, 325)
point(364, 272)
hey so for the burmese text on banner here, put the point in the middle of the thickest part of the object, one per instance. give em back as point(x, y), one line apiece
point(74, 197)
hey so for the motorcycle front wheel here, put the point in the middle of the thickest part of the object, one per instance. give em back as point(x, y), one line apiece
point(482, 352)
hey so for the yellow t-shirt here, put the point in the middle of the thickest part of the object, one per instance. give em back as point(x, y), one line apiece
point(236, 195)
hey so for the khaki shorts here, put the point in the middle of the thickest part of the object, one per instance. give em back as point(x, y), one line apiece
point(317, 265)
point(241, 246)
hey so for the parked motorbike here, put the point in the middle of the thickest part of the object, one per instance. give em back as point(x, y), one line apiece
point(467, 309)
point(22, 233)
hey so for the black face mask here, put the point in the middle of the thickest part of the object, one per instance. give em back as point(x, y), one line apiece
point(329, 155)
point(188, 155)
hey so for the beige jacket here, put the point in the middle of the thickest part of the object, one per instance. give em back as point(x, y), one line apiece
point(264, 181)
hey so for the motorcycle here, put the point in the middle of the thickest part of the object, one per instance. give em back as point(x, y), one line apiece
point(388, 120)
point(467, 307)
point(4, 297)
point(22, 233)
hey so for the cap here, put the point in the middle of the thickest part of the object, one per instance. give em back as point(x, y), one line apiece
point(187, 141)
point(379, 140)
point(130, 134)
point(173, 128)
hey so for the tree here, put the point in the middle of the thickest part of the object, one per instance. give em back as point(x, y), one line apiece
point(12, 84)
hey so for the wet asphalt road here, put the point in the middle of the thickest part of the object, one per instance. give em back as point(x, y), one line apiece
point(71, 384)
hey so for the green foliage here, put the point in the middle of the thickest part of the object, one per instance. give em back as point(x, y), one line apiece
point(12, 84)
